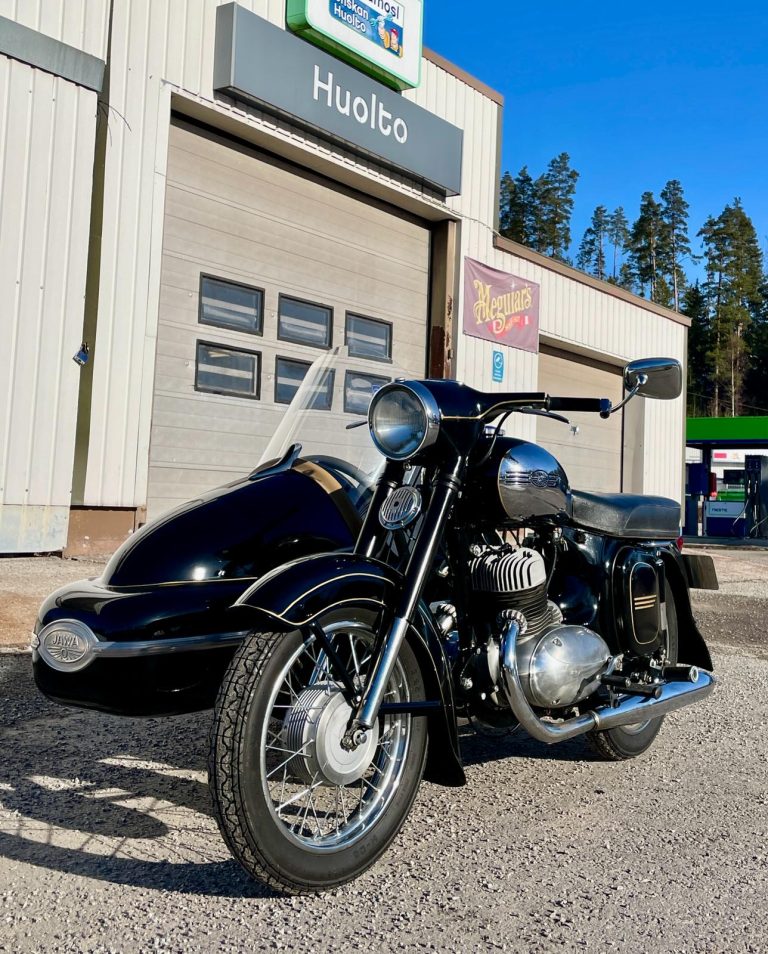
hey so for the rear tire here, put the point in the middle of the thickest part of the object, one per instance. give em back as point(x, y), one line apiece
point(344, 827)
point(627, 742)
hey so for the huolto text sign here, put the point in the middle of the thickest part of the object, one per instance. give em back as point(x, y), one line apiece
point(380, 37)
point(258, 63)
point(500, 307)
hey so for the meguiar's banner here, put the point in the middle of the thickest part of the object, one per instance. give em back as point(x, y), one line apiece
point(500, 307)
point(380, 37)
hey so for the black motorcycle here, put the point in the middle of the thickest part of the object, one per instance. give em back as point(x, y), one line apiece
point(480, 585)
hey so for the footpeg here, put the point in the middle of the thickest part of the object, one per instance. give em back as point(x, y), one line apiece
point(621, 683)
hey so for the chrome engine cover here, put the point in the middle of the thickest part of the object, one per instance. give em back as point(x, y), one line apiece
point(562, 666)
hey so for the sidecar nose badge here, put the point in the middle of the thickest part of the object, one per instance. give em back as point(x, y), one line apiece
point(66, 645)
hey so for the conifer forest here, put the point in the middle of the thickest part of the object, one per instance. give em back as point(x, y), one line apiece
point(714, 275)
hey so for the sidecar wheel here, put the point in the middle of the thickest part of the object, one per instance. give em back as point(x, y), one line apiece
point(627, 742)
point(295, 810)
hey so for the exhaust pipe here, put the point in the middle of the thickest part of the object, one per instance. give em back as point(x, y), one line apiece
point(674, 695)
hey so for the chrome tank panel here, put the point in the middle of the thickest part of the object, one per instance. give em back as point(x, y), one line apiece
point(531, 482)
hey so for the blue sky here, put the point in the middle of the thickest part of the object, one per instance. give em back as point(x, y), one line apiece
point(636, 94)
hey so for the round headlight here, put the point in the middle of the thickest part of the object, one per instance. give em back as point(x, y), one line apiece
point(404, 419)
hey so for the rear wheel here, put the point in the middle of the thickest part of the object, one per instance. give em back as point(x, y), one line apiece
point(629, 741)
point(297, 811)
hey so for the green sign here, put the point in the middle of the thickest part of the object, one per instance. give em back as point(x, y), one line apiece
point(379, 37)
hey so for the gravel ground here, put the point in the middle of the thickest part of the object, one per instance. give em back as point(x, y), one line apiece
point(107, 844)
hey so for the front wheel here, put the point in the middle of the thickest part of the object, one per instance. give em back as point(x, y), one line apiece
point(297, 811)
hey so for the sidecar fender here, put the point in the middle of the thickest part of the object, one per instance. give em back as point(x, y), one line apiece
point(297, 593)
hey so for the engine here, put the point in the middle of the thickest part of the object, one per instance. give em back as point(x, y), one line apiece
point(559, 664)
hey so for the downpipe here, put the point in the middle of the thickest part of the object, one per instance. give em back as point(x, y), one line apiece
point(630, 710)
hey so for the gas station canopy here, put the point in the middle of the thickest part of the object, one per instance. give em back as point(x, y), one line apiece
point(728, 433)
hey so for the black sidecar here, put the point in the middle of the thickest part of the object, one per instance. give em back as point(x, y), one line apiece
point(154, 634)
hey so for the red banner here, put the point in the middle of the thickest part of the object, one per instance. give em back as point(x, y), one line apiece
point(500, 307)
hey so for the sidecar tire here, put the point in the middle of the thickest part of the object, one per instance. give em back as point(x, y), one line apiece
point(617, 745)
point(240, 806)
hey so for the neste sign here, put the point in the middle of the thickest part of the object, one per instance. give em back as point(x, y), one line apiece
point(381, 37)
point(259, 63)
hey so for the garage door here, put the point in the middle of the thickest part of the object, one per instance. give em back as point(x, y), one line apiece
point(591, 458)
point(266, 267)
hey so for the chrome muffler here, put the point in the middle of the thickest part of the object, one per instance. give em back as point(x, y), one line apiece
point(629, 711)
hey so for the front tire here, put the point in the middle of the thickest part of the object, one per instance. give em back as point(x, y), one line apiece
point(627, 742)
point(295, 810)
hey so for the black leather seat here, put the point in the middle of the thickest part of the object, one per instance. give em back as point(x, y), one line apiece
point(627, 515)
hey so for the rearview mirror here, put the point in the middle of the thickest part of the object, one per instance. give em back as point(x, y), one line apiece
point(663, 378)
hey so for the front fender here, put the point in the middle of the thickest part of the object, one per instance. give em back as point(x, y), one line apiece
point(299, 592)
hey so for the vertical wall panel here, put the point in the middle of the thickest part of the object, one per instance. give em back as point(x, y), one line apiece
point(79, 23)
point(46, 159)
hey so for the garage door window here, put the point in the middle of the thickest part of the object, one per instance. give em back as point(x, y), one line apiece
point(221, 370)
point(304, 322)
point(359, 388)
point(288, 376)
point(231, 305)
point(368, 338)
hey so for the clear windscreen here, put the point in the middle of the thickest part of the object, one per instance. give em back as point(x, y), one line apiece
point(334, 394)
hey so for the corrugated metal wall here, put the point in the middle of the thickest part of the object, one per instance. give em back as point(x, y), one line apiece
point(47, 130)
point(164, 49)
point(79, 23)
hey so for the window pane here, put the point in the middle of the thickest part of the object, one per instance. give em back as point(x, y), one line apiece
point(304, 323)
point(226, 370)
point(368, 338)
point(288, 377)
point(359, 389)
point(231, 306)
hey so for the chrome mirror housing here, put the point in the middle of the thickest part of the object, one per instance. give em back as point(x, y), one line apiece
point(660, 378)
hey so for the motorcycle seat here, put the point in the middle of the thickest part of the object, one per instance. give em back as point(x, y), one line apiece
point(631, 516)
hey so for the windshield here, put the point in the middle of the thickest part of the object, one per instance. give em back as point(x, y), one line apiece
point(335, 393)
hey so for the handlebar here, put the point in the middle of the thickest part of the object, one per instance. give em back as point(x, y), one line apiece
point(601, 406)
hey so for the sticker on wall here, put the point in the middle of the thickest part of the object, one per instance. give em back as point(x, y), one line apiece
point(498, 366)
point(380, 37)
point(500, 307)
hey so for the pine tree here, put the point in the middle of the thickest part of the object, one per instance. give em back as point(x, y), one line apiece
point(518, 212)
point(554, 202)
point(756, 377)
point(676, 245)
point(618, 236)
point(591, 257)
point(734, 292)
point(700, 352)
point(648, 248)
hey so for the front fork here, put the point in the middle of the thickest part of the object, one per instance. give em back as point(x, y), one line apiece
point(420, 563)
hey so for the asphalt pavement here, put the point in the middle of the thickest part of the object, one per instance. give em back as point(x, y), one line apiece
point(107, 842)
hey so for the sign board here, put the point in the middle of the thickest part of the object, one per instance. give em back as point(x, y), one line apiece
point(498, 366)
point(500, 307)
point(259, 63)
point(380, 37)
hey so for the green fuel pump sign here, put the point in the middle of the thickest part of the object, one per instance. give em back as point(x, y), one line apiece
point(379, 37)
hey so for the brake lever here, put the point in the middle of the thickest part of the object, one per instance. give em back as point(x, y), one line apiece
point(355, 424)
point(541, 413)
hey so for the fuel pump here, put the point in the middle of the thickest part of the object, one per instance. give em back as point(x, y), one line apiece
point(756, 495)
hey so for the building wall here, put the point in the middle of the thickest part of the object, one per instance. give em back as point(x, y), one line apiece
point(82, 24)
point(159, 50)
point(47, 129)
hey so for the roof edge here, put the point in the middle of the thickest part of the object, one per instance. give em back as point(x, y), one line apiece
point(522, 251)
point(460, 74)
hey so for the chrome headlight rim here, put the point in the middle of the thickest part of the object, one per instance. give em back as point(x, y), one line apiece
point(429, 406)
point(83, 648)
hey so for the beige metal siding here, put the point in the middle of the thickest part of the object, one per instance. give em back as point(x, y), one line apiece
point(592, 457)
point(79, 23)
point(47, 130)
point(241, 217)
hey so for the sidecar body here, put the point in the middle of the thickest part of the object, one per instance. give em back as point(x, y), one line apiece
point(154, 634)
